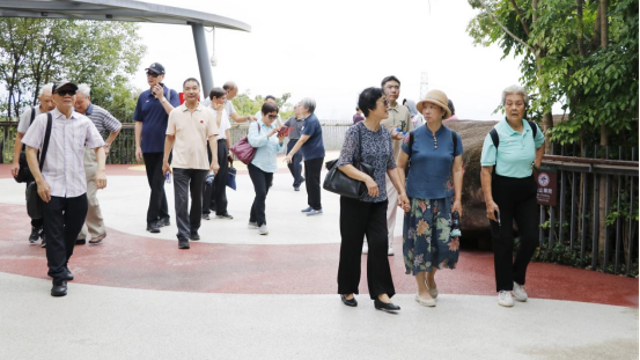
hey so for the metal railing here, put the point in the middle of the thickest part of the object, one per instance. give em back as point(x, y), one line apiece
point(123, 149)
point(602, 182)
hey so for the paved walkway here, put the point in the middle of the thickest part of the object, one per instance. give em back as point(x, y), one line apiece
point(237, 294)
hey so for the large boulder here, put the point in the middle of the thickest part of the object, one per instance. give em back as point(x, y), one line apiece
point(474, 223)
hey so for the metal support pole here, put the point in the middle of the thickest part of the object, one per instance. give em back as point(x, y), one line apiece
point(206, 77)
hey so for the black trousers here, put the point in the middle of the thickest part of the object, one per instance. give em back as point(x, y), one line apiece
point(185, 181)
point(63, 220)
point(516, 199)
point(358, 218)
point(158, 208)
point(261, 182)
point(220, 180)
point(36, 223)
point(296, 163)
point(312, 169)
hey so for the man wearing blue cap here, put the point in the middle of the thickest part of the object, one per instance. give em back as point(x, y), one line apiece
point(151, 117)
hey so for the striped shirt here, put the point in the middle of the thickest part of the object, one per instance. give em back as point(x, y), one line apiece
point(102, 119)
point(63, 168)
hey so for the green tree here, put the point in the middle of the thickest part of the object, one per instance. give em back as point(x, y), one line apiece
point(582, 52)
point(34, 52)
point(245, 105)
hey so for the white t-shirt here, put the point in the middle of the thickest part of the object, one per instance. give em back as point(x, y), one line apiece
point(228, 105)
point(225, 124)
point(25, 119)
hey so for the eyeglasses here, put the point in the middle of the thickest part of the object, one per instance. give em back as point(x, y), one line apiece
point(386, 102)
point(64, 93)
point(273, 117)
point(153, 75)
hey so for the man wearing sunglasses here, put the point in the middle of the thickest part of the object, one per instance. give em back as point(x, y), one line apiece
point(62, 184)
point(151, 117)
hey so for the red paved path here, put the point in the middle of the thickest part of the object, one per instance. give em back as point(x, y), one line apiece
point(129, 261)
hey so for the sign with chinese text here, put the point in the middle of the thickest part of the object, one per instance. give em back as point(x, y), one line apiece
point(547, 179)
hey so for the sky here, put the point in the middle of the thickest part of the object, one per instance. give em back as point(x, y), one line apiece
point(331, 50)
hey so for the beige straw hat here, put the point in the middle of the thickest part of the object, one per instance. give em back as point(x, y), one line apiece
point(436, 97)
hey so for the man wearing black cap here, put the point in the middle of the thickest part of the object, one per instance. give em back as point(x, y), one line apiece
point(151, 117)
point(62, 184)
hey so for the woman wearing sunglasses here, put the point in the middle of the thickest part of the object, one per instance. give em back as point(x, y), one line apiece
point(370, 143)
point(263, 136)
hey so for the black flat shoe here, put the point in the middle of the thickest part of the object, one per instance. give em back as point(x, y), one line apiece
point(81, 241)
point(59, 287)
point(385, 306)
point(184, 245)
point(348, 302)
point(195, 237)
point(68, 275)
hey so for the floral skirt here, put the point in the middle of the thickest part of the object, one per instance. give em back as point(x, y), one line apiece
point(426, 236)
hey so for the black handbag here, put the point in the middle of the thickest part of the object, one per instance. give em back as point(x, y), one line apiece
point(24, 174)
point(34, 202)
point(338, 182)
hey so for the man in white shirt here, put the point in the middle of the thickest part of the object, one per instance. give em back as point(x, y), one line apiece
point(216, 192)
point(232, 90)
point(62, 184)
point(26, 119)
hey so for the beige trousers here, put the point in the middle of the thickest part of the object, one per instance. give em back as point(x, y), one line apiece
point(94, 221)
point(392, 209)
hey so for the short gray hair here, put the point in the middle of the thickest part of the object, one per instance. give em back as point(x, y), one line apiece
point(85, 90)
point(309, 103)
point(515, 90)
point(48, 88)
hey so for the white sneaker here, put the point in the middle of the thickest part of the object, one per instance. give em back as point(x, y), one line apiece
point(425, 302)
point(253, 225)
point(263, 230)
point(365, 248)
point(390, 252)
point(505, 299)
point(519, 293)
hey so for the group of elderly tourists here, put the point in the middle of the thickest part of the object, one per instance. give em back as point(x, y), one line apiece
point(416, 167)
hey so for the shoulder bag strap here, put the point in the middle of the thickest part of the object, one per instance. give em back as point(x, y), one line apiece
point(494, 137)
point(33, 115)
point(534, 129)
point(47, 136)
point(454, 138)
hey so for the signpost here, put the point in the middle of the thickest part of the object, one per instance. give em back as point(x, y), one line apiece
point(547, 179)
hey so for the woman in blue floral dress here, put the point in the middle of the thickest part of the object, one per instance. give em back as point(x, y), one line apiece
point(434, 187)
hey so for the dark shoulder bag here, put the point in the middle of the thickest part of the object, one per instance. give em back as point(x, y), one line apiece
point(24, 174)
point(338, 182)
point(34, 202)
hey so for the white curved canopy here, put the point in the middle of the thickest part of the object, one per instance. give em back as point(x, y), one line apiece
point(115, 10)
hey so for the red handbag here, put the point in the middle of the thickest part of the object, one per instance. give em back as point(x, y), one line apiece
point(243, 150)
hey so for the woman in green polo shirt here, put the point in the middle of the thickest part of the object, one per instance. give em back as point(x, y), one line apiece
point(509, 153)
